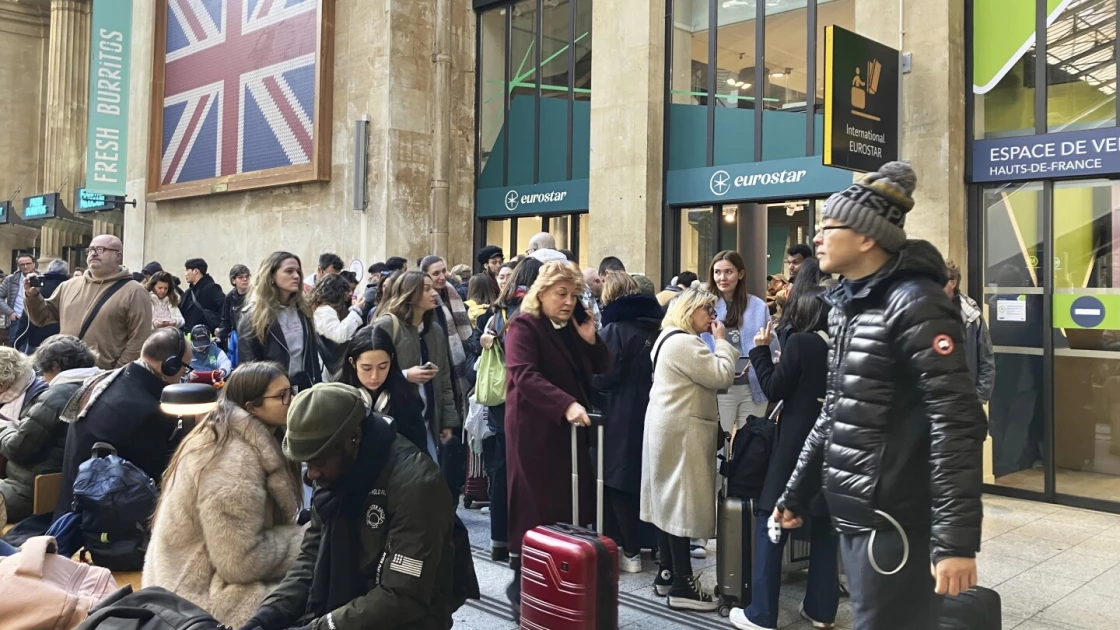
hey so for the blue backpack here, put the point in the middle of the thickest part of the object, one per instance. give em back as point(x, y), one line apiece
point(113, 501)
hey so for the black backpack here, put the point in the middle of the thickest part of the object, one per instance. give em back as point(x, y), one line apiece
point(750, 457)
point(114, 501)
point(151, 608)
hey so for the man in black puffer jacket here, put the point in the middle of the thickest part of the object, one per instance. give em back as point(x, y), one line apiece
point(901, 429)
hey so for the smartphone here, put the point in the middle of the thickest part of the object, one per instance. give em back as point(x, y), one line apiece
point(580, 313)
point(430, 366)
point(34, 281)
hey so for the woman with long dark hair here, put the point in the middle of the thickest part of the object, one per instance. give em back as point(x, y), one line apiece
point(224, 532)
point(336, 320)
point(421, 344)
point(276, 322)
point(799, 381)
point(165, 302)
point(370, 363)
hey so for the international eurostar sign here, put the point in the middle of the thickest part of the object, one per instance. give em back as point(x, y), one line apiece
point(1091, 152)
point(860, 101)
point(110, 50)
point(532, 200)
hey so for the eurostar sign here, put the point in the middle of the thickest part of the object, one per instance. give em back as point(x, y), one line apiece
point(532, 200)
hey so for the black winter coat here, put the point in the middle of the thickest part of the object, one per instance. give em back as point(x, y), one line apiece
point(32, 336)
point(275, 349)
point(798, 380)
point(231, 315)
point(126, 414)
point(202, 304)
point(630, 327)
point(902, 429)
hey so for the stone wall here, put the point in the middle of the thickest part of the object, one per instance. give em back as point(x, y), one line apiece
point(23, 61)
point(383, 67)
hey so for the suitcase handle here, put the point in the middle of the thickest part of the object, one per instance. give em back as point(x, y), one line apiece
point(597, 422)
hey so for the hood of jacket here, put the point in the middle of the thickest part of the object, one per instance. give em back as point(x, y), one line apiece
point(121, 274)
point(917, 258)
point(76, 375)
point(632, 308)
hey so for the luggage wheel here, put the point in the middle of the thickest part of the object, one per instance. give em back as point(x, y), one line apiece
point(724, 610)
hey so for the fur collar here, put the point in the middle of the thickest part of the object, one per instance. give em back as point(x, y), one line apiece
point(632, 308)
point(282, 478)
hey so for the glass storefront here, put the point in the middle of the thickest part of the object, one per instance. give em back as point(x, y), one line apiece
point(533, 107)
point(1048, 248)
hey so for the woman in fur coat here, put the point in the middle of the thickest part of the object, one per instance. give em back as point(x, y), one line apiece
point(224, 532)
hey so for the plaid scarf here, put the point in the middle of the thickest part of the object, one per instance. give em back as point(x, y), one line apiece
point(458, 325)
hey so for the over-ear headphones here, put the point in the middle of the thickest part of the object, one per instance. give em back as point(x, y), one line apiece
point(172, 364)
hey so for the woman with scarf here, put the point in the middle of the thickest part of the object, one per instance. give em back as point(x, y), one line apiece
point(491, 330)
point(379, 550)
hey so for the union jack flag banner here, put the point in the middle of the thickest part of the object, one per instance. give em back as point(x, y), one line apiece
point(239, 88)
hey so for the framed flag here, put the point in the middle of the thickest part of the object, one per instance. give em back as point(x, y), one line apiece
point(241, 95)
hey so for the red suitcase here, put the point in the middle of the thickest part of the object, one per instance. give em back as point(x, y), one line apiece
point(569, 575)
point(476, 492)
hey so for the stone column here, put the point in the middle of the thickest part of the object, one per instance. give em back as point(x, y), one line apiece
point(67, 98)
point(932, 111)
point(627, 133)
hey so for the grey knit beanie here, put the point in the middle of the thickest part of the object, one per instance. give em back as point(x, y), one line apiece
point(876, 205)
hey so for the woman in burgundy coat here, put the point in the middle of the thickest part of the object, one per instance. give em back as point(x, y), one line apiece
point(550, 361)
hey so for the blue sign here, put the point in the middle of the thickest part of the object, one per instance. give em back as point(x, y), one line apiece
point(1069, 154)
point(532, 200)
point(1087, 311)
point(5, 212)
point(776, 179)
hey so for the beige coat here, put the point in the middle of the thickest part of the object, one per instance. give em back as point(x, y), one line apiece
point(224, 538)
point(680, 443)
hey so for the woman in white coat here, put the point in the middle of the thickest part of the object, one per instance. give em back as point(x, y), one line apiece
point(224, 532)
point(681, 439)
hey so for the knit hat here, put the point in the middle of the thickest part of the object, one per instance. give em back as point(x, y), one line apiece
point(320, 418)
point(645, 285)
point(548, 255)
point(876, 205)
point(486, 253)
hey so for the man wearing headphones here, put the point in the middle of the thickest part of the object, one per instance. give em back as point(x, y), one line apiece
point(121, 407)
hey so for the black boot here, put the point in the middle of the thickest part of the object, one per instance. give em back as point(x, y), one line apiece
point(513, 591)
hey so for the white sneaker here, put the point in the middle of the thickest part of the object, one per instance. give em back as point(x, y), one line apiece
point(738, 618)
point(485, 510)
point(813, 622)
point(698, 551)
point(628, 564)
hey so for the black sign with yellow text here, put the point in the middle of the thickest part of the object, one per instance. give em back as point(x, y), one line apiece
point(860, 101)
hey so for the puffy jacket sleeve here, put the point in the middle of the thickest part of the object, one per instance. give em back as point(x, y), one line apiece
point(928, 342)
point(419, 531)
point(6, 287)
point(24, 440)
point(337, 330)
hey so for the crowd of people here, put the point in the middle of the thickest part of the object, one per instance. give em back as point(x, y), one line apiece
point(878, 362)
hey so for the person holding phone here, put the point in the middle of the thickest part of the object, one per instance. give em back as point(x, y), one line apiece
point(421, 344)
point(552, 354)
point(681, 437)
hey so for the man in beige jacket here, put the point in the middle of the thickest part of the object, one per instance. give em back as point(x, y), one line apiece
point(118, 330)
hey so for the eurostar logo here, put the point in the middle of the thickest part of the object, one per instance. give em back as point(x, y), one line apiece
point(720, 183)
point(511, 200)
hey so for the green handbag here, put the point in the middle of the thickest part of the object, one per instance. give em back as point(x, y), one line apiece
point(490, 389)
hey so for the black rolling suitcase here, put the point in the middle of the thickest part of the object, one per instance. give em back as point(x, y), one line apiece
point(978, 608)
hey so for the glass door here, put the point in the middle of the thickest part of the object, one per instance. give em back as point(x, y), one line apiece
point(1086, 338)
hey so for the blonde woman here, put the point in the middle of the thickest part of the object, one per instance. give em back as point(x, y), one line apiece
point(276, 323)
point(681, 440)
point(224, 533)
point(552, 354)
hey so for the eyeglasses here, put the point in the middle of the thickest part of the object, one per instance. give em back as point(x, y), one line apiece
point(824, 229)
point(98, 249)
point(711, 310)
point(284, 396)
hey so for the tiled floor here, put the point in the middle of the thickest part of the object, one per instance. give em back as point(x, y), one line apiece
point(1056, 568)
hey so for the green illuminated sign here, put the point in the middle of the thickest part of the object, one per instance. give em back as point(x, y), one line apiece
point(89, 201)
point(42, 206)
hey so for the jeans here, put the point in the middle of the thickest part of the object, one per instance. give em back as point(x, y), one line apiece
point(494, 458)
point(888, 602)
point(7, 550)
point(736, 405)
point(822, 594)
point(621, 522)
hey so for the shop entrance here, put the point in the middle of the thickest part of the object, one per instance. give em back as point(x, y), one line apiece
point(702, 231)
point(512, 235)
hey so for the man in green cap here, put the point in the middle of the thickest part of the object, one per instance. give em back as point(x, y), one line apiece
point(378, 552)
